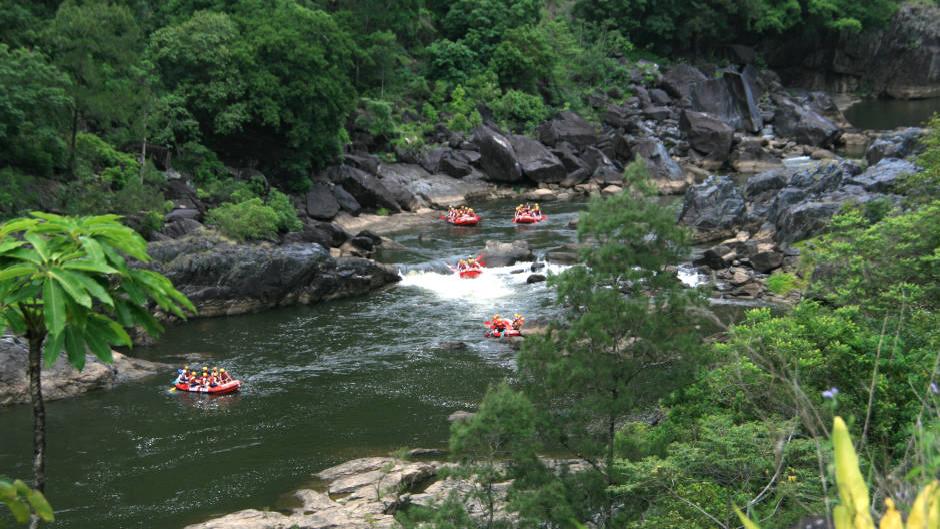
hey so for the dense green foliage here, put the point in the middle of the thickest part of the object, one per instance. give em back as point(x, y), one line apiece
point(23, 501)
point(283, 86)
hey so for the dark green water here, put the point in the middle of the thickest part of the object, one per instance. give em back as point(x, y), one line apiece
point(323, 384)
point(885, 114)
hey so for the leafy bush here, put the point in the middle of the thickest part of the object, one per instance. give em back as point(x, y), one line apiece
point(376, 117)
point(450, 61)
point(520, 111)
point(248, 220)
point(96, 159)
point(287, 219)
point(464, 116)
point(782, 283)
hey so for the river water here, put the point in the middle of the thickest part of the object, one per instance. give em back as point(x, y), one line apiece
point(322, 385)
point(886, 114)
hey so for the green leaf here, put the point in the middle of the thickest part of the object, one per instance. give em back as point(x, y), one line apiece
point(75, 346)
point(19, 510)
point(72, 287)
point(84, 265)
point(9, 244)
point(16, 271)
point(7, 491)
point(39, 244)
point(89, 285)
point(748, 524)
point(54, 306)
point(96, 342)
point(93, 249)
point(40, 505)
point(53, 347)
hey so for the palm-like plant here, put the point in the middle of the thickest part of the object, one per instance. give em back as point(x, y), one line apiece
point(65, 284)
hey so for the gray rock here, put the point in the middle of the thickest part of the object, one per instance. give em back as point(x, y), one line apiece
point(497, 157)
point(182, 213)
point(707, 134)
point(538, 163)
point(320, 201)
point(883, 176)
point(678, 80)
point(761, 183)
point(535, 278)
point(900, 144)
point(62, 380)
point(714, 205)
point(457, 163)
point(222, 278)
point(506, 254)
point(346, 201)
point(570, 127)
point(803, 124)
point(181, 228)
point(660, 97)
point(661, 166)
point(731, 98)
point(367, 189)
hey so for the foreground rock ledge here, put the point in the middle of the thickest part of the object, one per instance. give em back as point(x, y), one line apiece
point(62, 380)
point(365, 493)
point(224, 278)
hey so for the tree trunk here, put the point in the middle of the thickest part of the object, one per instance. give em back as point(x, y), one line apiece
point(143, 158)
point(72, 142)
point(39, 414)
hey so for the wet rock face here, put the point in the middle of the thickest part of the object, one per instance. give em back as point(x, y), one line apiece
point(678, 80)
point(661, 166)
point(222, 278)
point(62, 380)
point(320, 201)
point(715, 206)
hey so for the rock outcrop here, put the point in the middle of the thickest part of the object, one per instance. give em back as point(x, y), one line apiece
point(900, 60)
point(223, 278)
point(62, 380)
point(505, 253)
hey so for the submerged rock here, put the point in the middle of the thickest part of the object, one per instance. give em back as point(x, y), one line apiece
point(506, 254)
point(62, 380)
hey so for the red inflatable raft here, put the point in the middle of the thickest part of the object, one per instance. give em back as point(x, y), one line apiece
point(508, 333)
point(471, 273)
point(464, 220)
point(526, 218)
point(221, 389)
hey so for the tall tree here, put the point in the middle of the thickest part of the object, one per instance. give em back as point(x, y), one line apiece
point(628, 334)
point(65, 284)
point(34, 106)
point(98, 43)
point(268, 84)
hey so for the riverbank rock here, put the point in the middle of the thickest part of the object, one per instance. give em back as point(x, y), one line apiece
point(506, 254)
point(714, 208)
point(497, 156)
point(732, 98)
point(537, 162)
point(803, 124)
point(897, 144)
point(707, 134)
point(223, 278)
point(567, 127)
point(367, 189)
point(62, 380)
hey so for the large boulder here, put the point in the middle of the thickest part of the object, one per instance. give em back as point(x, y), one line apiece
point(61, 380)
point(660, 165)
point(538, 163)
point(803, 124)
point(505, 253)
point(679, 80)
point(713, 207)
point(883, 176)
point(898, 144)
point(367, 189)
point(222, 278)
point(497, 157)
point(457, 163)
point(732, 99)
point(435, 189)
point(346, 201)
point(321, 203)
point(570, 127)
point(707, 134)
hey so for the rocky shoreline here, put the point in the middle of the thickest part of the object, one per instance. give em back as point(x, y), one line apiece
point(62, 380)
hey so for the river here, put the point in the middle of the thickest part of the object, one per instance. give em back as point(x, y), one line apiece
point(886, 114)
point(322, 385)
